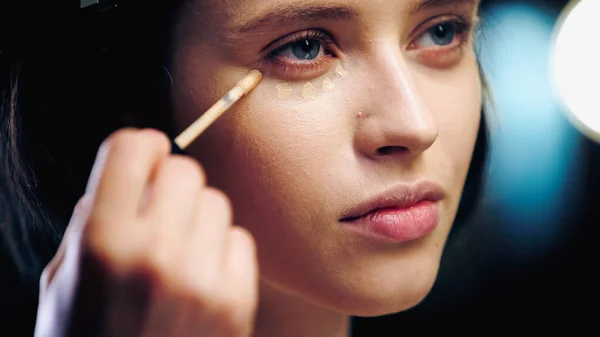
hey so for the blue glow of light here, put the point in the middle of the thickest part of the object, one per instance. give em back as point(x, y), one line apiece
point(534, 158)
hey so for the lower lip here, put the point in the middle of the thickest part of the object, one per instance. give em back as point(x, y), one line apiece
point(398, 225)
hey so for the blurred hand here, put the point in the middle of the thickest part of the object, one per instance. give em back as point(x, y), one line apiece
point(149, 251)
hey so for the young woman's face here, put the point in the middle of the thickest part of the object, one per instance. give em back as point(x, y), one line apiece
point(361, 101)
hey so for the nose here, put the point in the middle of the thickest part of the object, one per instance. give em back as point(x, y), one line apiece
point(395, 120)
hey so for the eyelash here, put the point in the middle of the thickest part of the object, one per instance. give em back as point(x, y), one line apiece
point(302, 69)
point(440, 56)
point(307, 69)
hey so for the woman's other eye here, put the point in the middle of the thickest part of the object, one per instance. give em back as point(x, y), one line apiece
point(441, 45)
point(438, 35)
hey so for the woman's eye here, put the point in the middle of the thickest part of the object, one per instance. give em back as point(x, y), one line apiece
point(302, 56)
point(303, 50)
point(441, 45)
point(442, 34)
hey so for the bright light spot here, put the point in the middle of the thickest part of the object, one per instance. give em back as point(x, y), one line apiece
point(576, 67)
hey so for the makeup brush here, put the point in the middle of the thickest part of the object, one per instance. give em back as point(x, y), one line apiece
point(241, 89)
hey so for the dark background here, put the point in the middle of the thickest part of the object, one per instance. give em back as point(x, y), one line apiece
point(527, 258)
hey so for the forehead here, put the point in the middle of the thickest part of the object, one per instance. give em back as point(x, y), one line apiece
point(236, 12)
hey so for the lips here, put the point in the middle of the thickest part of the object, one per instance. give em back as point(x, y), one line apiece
point(400, 214)
point(397, 198)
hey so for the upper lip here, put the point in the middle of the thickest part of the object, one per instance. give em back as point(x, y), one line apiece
point(399, 197)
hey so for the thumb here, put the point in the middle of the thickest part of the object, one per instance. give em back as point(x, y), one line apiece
point(79, 217)
point(96, 173)
point(71, 237)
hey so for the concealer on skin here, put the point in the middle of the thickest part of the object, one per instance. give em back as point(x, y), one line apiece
point(309, 91)
point(327, 85)
point(340, 71)
point(284, 90)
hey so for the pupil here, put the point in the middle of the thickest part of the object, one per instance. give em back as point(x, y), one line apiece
point(440, 31)
point(306, 49)
point(443, 34)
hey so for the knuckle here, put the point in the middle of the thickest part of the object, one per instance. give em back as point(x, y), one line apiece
point(123, 258)
point(245, 240)
point(129, 145)
point(206, 299)
point(112, 252)
point(158, 137)
point(200, 289)
point(135, 142)
point(185, 169)
point(217, 199)
point(156, 253)
point(154, 265)
point(125, 135)
point(245, 235)
point(102, 250)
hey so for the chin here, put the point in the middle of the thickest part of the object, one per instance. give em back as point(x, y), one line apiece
point(402, 302)
point(391, 300)
point(380, 289)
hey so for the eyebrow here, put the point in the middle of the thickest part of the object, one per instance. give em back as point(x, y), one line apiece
point(289, 14)
point(428, 4)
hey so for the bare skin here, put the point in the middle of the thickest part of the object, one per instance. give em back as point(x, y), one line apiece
point(403, 108)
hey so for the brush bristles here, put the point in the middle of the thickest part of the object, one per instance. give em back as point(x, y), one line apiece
point(250, 82)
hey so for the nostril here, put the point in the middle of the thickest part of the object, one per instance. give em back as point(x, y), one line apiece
point(389, 150)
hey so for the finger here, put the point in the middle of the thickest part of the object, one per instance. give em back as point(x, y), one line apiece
point(208, 235)
point(97, 169)
point(240, 283)
point(71, 238)
point(174, 190)
point(130, 162)
point(241, 266)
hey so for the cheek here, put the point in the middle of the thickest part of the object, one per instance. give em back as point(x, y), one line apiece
point(454, 98)
point(459, 121)
point(278, 160)
point(456, 103)
point(289, 137)
point(266, 147)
